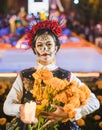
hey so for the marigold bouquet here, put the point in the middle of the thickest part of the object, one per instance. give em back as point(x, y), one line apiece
point(48, 90)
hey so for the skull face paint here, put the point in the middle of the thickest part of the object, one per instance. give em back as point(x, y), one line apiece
point(45, 47)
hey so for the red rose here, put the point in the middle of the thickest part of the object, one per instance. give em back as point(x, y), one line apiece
point(48, 24)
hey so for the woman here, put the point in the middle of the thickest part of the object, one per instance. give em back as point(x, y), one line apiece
point(43, 38)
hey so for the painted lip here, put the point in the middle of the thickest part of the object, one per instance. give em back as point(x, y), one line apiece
point(45, 54)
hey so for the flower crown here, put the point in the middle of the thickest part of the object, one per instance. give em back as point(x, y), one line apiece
point(48, 24)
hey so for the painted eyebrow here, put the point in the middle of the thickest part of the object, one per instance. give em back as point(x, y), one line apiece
point(42, 42)
point(38, 42)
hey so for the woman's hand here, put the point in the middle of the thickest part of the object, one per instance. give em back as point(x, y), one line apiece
point(27, 113)
point(58, 115)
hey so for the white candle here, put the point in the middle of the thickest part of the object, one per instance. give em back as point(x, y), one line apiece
point(30, 111)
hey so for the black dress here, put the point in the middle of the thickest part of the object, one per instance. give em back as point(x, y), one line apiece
point(27, 77)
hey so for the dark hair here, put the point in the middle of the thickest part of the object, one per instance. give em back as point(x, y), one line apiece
point(42, 31)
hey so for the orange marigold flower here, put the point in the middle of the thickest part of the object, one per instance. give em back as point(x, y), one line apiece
point(100, 98)
point(99, 84)
point(2, 91)
point(57, 83)
point(2, 121)
point(82, 97)
point(69, 109)
point(72, 89)
point(81, 122)
point(86, 90)
point(43, 74)
point(100, 124)
point(61, 98)
point(97, 117)
point(75, 101)
point(3, 87)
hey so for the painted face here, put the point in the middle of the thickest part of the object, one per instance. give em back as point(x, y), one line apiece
point(45, 47)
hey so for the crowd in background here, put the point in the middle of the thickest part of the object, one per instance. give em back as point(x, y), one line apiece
point(91, 32)
point(14, 26)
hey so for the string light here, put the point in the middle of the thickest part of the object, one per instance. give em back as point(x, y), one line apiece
point(76, 1)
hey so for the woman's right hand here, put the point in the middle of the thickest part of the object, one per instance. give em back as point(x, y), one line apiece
point(27, 113)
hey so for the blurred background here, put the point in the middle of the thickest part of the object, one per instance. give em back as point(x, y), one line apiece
point(81, 44)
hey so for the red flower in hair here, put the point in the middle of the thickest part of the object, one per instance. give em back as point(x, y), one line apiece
point(48, 24)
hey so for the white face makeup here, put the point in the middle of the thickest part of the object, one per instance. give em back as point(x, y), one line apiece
point(45, 48)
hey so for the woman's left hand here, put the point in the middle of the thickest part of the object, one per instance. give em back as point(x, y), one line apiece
point(58, 115)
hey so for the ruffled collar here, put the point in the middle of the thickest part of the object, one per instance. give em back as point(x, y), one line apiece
point(51, 66)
